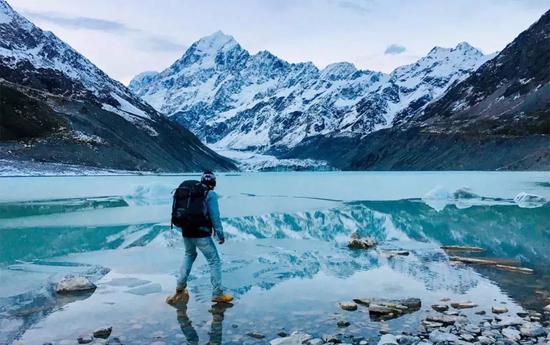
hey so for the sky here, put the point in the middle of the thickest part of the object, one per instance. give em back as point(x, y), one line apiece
point(127, 37)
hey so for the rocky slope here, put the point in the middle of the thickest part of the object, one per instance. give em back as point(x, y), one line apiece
point(239, 101)
point(497, 118)
point(56, 106)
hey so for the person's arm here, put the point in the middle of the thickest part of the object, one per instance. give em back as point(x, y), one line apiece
point(214, 213)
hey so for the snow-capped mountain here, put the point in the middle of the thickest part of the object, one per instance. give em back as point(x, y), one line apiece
point(496, 118)
point(235, 100)
point(76, 114)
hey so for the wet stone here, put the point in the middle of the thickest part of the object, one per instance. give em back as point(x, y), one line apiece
point(103, 333)
point(388, 339)
point(511, 334)
point(463, 305)
point(499, 310)
point(349, 306)
point(256, 335)
point(440, 307)
point(343, 323)
point(532, 330)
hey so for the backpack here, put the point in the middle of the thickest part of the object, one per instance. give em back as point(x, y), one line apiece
point(189, 211)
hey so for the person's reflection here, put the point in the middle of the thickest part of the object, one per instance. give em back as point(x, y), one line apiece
point(216, 327)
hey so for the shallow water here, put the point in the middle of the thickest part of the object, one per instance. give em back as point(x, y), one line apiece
point(285, 260)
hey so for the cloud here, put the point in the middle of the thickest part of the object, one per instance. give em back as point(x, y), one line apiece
point(354, 6)
point(86, 23)
point(141, 39)
point(395, 49)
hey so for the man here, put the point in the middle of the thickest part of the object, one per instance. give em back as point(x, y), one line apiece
point(199, 236)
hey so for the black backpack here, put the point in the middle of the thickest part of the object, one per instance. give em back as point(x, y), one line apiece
point(189, 211)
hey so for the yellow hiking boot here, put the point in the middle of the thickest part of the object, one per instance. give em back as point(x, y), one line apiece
point(223, 298)
point(181, 297)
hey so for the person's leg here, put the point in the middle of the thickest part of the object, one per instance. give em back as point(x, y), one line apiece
point(208, 248)
point(188, 259)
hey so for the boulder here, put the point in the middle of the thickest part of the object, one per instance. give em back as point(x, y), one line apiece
point(103, 333)
point(499, 310)
point(440, 307)
point(73, 284)
point(547, 308)
point(511, 333)
point(532, 330)
point(361, 243)
point(349, 306)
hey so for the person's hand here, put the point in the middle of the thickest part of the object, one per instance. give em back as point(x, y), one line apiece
point(222, 241)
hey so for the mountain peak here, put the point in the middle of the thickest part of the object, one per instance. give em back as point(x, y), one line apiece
point(338, 71)
point(215, 42)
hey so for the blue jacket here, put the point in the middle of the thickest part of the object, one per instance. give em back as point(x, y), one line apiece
point(214, 213)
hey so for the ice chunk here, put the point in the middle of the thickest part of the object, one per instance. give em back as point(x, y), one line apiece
point(527, 200)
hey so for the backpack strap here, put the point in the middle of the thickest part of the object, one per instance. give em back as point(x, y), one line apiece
point(173, 209)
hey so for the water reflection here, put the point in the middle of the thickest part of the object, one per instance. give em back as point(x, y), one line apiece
point(216, 327)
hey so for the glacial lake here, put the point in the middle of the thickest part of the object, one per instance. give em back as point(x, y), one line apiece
point(286, 258)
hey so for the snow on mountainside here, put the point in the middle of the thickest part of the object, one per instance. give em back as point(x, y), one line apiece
point(58, 107)
point(26, 48)
point(259, 102)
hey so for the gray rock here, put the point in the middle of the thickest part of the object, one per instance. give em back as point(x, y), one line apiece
point(446, 320)
point(103, 333)
point(499, 309)
point(463, 305)
point(388, 339)
point(316, 341)
point(484, 340)
point(406, 339)
point(256, 335)
point(532, 330)
point(511, 333)
point(467, 336)
point(71, 284)
point(441, 337)
point(547, 308)
point(343, 323)
point(349, 306)
point(440, 307)
point(473, 329)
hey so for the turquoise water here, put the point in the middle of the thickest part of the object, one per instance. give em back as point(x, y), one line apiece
point(285, 260)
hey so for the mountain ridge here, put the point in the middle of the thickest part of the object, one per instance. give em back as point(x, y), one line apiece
point(57, 106)
point(235, 100)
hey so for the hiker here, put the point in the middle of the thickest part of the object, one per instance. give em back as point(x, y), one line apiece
point(196, 212)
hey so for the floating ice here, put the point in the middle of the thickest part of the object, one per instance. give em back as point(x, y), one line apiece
point(527, 200)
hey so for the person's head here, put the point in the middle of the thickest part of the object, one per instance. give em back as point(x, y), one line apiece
point(208, 179)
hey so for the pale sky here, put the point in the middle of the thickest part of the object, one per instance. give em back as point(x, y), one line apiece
point(127, 37)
